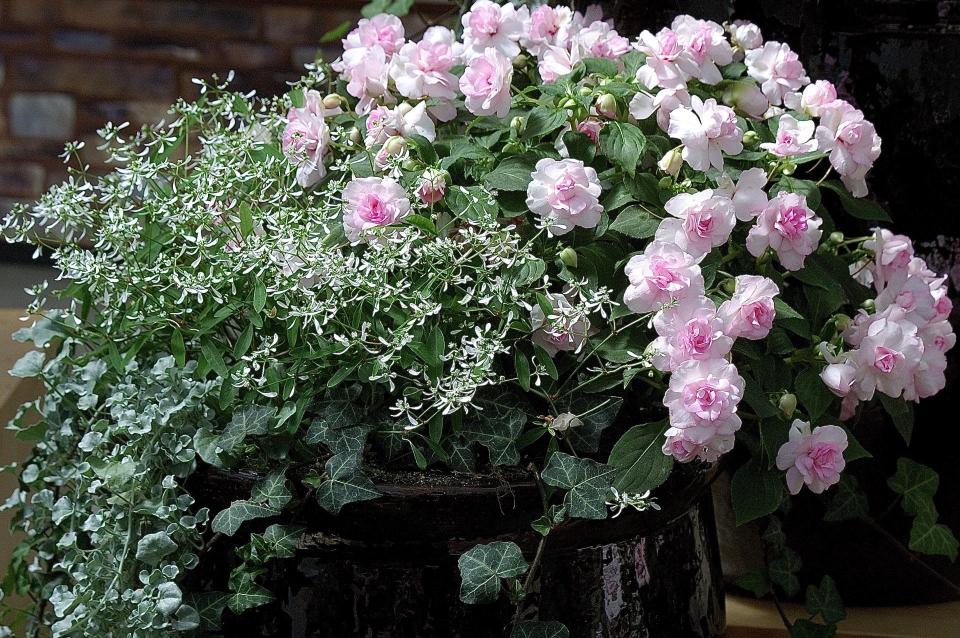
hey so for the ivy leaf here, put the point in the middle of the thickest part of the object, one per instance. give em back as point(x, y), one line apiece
point(229, 520)
point(901, 413)
point(29, 365)
point(755, 490)
point(279, 541)
point(272, 490)
point(825, 600)
point(755, 582)
point(207, 445)
point(917, 484)
point(461, 458)
point(543, 120)
point(596, 413)
point(512, 174)
point(929, 537)
point(539, 629)
point(783, 571)
point(636, 222)
point(209, 606)
point(482, 568)
point(847, 501)
point(623, 143)
point(639, 459)
point(588, 483)
point(153, 547)
point(345, 484)
point(247, 420)
point(248, 594)
point(496, 426)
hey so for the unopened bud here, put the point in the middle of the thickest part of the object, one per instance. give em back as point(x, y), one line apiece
point(788, 404)
point(671, 162)
point(517, 124)
point(750, 138)
point(788, 168)
point(585, 91)
point(869, 305)
point(332, 101)
point(569, 103)
point(433, 184)
point(404, 107)
point(520, 61)
point(564, 422)
point(841, 321)
point(606, 106)
point(569, 257)
point(355, 135)
point(836, 237)
point(729, 286)
point(395, 145)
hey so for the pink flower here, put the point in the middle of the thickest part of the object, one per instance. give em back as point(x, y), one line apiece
point(891, 254)
point(663, 273)
point(305, 141)
point(787, 226)
point(565, 192)
point(706, 43)
point(702, 399)
point(707, 130)
point(701, 221)
point(548, 26)
point(910, 292)
point(852, 141)
point(600, 40)
point(489, 25)
point(643, 105)
point(563, 331)
point(746, 97)
point(366, 71)
point(313, 106)
point(777, 69)
point(403, 121)
point(668, 64)
point(486, 83)
point(591, 127)
point(683, 449)
point(793, 138)
point(432, 186)
point(745, 35)
point(839, 377)
point(689, 330)
point(422, 69)
point(372, 202)
point(887, 356)
point(813, 98)
point(383, 30)
point(750, 311)
point(556, 62)
point(749, 198)
point(814, 459)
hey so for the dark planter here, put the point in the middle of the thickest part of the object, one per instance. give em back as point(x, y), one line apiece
point(388, 567)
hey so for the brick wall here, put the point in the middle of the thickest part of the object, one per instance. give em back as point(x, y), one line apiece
point(68, 66)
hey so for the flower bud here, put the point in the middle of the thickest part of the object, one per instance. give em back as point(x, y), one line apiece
point(404, 107)
point(729, 286)
point(836, 237)
point(841, 321)
point(665, 183)
point(569, 257)
point(332, 101)
point(355, 136)
point(671, 162)
point(395, 145)
point(564, 422)
point(585, 91)
point(750, 138)
point(788, 404)
point(788, 168)
point(869, 305)
point(569, 103)
point(433, 184)
point(520, 61)
point(606, 106)
point(517, 124)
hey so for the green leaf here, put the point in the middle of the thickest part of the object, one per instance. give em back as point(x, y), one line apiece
point(247, 420)
point(207, 445)
point(471, 203)
point(755, 582)
point(259, 296)
point(29, 365)
point(623, 143)
point(601, 66)
point(522, 366)
point(540, 629)
point(229, 520)
point(177, 348)
point(596, 414)
point(901, 413)
point(588, 484)
point(209, 606)
point(859, 208)
point(281, 541)
point(496, 426)
point(636, 222)
point(814, 396)
point(482, 567)
point(755, 490)
point(917, 484)
point(423, 223)
point(214, 358)
point(783, 570)
point(272, 490)
point(825, 601)
point(803, 628)
point(639, 459)
point(929, 537)
point(153, 547)
point(543, 120)
point(336, 33)
point(248, 594)
point(846, 501)
point(345, 484)
point(512, 174)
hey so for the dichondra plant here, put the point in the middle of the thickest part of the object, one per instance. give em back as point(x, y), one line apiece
point(500, 245)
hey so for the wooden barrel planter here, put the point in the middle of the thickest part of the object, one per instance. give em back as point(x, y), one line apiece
point(388, 567)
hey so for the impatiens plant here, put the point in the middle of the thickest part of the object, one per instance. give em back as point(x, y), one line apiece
point(458, 250)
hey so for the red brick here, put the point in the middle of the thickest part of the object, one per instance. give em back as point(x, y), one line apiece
point(237, 54)
point(301, 24)
point(21, 180)
point(100, 78)
point(162, 16)
point(32, 12)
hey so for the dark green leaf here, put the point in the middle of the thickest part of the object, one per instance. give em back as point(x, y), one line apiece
point(859, 208)
point(588, 484)
point(482, 567)
point(639, 458)
point(929, 537)
point(756, 491)
point(901, 413)
point(917, 484)
point(825, 601)
point(814, 396)
point(543, 120)
point(635, 221)
point(512, 174)
point(846, 501)
point(623, 143)
point(539, 629)
point(229, 520)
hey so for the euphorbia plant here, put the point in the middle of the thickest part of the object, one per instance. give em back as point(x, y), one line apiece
point(463, 250)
